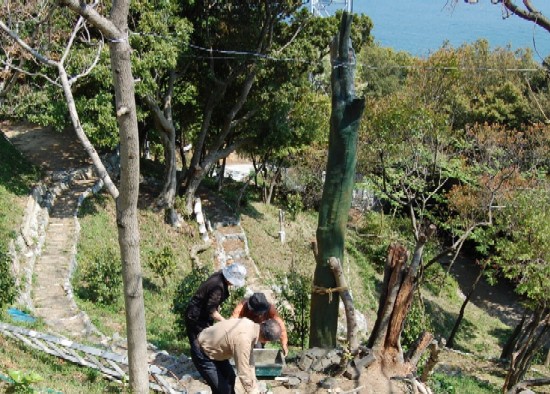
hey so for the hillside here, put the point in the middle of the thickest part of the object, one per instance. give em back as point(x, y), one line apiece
point(472, 371)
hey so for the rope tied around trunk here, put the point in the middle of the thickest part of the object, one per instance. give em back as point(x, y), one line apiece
point(328, 290)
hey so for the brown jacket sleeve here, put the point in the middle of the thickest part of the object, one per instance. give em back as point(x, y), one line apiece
point(243, 356)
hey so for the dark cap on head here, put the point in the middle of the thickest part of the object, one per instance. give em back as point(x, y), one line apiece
point(258, 304)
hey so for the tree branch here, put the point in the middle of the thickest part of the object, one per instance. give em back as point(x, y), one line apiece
point(37, 55)
point(530, 14)
point(104, 25)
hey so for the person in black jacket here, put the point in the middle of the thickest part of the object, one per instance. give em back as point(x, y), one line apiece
point(203, 310)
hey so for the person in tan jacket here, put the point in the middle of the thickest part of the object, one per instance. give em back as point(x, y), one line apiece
point(258, 309)
point(233, 338)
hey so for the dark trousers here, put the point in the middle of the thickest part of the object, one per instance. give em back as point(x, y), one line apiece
point(219, 375)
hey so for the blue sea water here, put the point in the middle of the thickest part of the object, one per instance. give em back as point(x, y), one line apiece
point(422, 26)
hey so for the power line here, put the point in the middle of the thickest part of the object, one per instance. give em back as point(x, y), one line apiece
point(237, 54)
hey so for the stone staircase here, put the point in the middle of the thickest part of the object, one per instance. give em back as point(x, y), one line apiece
point(52, 294)
point(49, 294)
point(231, 243)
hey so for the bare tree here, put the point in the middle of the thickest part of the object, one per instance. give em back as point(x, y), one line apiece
point(115, 30)
point(527, 11)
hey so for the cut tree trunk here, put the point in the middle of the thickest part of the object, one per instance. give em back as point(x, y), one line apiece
point(338, 187)
point(400, 280)
point(396, 275)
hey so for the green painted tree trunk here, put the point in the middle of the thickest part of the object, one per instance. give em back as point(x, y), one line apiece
point(338, 186)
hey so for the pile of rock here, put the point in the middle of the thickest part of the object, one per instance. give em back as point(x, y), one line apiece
point(311, 361)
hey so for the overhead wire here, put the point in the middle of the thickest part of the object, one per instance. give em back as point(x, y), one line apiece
point(238, 54)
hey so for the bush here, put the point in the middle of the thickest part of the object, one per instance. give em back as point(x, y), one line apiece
point(294, 205)
point(162, 263)
point(22, 382)
point(187, 289)
point(457, 384)
point(417, 322)
point(101, 280)
point(7, 281)
point(293, 305)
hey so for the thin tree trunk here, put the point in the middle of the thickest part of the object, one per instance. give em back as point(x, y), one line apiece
point(533, 338)
point(165, 125)
point(127, 221)
point(338, 187)
point(88, 147)
point(272, 184)
point(451, 340)
point(345, 295)
point(508, 348)
point(221, 174)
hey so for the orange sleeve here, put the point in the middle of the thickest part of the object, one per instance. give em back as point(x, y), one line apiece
point(274, 315)
point(237, 312)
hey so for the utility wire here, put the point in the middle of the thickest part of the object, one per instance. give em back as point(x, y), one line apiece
point(235, 54)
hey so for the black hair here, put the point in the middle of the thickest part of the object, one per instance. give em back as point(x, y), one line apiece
point(258, 304)
point(270, 330)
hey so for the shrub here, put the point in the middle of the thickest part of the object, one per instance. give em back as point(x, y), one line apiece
point(456, 384)
point(418, 321)
point(7, 281)
point(294, 205)
point(22, 381)
point(293, 305)
point(101, 280)
point(162, 263)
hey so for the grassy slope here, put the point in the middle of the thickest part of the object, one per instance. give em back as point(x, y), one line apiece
point(99, 233)
point(16, 179)
point(261, 224)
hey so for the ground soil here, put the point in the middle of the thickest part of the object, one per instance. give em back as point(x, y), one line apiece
point(46, 148)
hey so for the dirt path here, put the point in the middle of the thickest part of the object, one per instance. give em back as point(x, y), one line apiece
point(50, 150)
point(498, 300)
point(56, 153)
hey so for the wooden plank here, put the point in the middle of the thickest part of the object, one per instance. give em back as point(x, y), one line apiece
point(116, 367)
point(164, 384)
point(21, 338)
point(104, 369)
point(77, 356)
point(63, 354)
point(44, 347)
point(66, 343)
point(85, 362)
